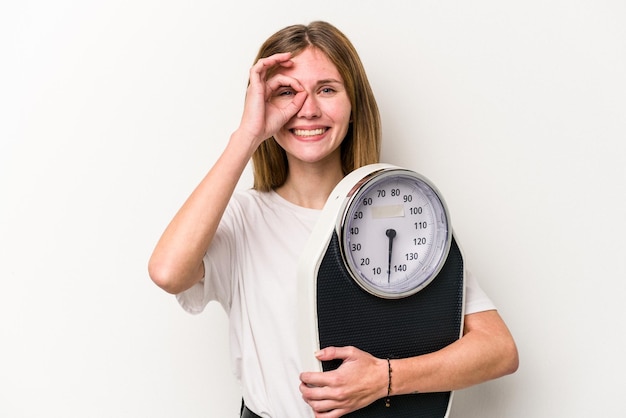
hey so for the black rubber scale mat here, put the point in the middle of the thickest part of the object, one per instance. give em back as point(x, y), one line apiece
point(391, 328)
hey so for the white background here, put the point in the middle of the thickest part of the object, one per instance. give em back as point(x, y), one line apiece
point(111, 112)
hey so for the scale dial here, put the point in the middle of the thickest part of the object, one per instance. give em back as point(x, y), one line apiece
point(395, 233)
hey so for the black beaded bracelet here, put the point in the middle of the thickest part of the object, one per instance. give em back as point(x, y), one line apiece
point(388, 400)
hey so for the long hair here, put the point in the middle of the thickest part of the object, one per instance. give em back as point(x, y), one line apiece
point(361, 146)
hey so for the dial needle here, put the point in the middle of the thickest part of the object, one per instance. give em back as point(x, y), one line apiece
point(391, 233)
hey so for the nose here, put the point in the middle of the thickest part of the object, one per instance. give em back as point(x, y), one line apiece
point(310, 108)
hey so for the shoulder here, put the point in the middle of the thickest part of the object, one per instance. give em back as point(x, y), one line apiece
point(270, 202)
point(250, 207)
point(251, 198)
point(249, 201)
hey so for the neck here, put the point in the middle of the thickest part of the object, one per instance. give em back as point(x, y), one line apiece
point(310, 187)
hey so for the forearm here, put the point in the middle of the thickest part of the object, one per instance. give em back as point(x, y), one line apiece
point(176, 262)
point(486, 351)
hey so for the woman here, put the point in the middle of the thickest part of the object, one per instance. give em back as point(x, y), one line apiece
point(309, 118)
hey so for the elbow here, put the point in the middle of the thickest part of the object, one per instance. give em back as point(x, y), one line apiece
point(166, 277)
point(509, 357)
point(161, 278)
point(496, 348)
point(513, 358)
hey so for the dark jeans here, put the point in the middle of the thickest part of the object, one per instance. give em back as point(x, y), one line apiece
point(246, 413)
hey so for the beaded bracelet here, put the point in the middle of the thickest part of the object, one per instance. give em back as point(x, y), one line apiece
point(388, 400)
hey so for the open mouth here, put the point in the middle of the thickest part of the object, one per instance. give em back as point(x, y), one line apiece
point(308, 132)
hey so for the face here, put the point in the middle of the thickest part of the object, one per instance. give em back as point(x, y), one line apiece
point(316, 131)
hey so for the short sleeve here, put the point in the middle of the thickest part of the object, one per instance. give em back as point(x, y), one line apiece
point(197, 297)
point(219, 271)
point(476, 300)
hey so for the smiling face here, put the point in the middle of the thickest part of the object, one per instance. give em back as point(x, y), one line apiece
point(315, 133)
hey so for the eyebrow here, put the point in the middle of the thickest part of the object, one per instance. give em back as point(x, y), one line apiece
point(329, 81)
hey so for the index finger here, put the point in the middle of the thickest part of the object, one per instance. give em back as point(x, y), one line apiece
point(316, 380)
point(263, 65)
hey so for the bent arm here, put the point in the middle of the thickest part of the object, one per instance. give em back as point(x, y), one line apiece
point(176, 262)
point(486, 351)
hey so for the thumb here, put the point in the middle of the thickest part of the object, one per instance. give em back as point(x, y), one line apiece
point(296, 104)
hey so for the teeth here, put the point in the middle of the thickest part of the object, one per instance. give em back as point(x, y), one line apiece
point(312, 132)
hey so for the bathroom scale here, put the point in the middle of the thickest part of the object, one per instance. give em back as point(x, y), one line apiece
point(382, 272)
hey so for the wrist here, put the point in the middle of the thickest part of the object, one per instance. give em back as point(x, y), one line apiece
point(246, 139)
point(389, 383)
point(244, 143)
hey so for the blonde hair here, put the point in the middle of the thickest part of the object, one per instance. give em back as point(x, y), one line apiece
point(361, 146)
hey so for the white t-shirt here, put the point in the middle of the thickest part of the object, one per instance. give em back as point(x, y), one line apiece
point(250, 269)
